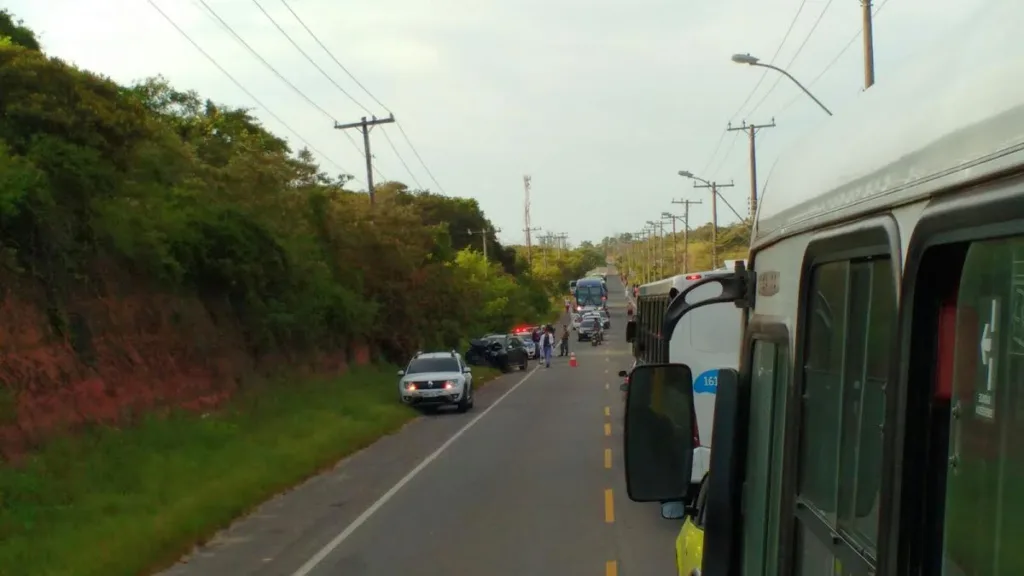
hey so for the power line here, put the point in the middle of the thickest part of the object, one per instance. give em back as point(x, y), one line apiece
point(778, 50)
point(270, 67)
point(306, 56)
point(329, 79)
point(799, 49)
point(264, 61)
point(418, 157)
point(400, 159)
point(241, 87)
point(331, 55)
point(785, 37)
point(834, 61)
point(401, 130)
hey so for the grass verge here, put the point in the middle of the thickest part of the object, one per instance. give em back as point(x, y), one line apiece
point(110, 502)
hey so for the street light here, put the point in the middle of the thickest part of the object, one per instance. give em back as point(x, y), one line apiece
point(714, 189)
point(754, 61)
point(687, 174)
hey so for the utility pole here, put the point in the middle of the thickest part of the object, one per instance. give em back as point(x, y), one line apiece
point(714, 186)
point(869, 44)
point(365, 126)
point(560, 243)
point(751, 130)
point(640, 248)
point(686, 231)
point(485, 235)
point(544, 240)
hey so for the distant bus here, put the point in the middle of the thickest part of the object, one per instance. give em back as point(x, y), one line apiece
point(590, 291)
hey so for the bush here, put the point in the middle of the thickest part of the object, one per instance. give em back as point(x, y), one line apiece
point(199, 198)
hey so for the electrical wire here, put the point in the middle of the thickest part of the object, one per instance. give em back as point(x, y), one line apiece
point(245, 90)
point(306, 56)
point(778, 77)
point(834, 61)
point(280, 76)
point(398, 124)
point(778, 50)
point(336, 85)
point(785, 37)
point(400, 159)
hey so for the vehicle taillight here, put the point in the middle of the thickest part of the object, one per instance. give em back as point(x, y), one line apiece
point(693, 276)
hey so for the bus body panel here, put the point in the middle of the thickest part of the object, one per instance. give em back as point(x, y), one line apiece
point(707, 340)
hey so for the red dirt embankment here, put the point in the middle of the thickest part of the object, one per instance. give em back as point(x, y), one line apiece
point(111, 360)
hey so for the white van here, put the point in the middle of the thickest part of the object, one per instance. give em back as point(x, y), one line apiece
point(707, 339)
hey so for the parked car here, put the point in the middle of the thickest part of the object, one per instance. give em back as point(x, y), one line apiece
point(528, 343)
point(502, 351)
point(575, 321)
point(434, 379)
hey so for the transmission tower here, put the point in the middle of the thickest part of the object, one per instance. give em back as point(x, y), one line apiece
point(526, 220)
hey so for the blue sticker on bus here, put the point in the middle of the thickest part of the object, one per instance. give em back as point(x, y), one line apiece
point(706, 382)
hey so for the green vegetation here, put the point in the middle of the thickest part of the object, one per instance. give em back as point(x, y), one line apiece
point(113, 502)
point(196, 197)
point(109, 190)
point(635, 256)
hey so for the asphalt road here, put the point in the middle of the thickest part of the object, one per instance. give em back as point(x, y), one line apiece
point(528, 483)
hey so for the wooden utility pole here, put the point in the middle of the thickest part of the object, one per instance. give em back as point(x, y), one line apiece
point(485, 234)
point(751, 130)
point(869, 44)
point(560, 243)
point(365, 126)
point(714, 186)
point(686, 231)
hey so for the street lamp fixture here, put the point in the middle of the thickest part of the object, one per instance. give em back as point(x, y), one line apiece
point(688, 174)
point(754, 61)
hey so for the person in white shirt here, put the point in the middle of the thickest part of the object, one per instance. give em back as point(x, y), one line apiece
point(547, 344)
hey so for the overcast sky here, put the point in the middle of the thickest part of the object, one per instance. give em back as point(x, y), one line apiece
point(601, 102)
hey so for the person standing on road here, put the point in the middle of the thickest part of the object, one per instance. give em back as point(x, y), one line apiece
point(536, 343)
point(547, 342)
point(568, 305)
point(564, 348)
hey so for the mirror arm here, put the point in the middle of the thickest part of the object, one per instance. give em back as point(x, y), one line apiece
point(738, 287)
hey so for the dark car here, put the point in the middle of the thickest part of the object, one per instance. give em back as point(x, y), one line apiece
point(589, 328)
point(505, 352)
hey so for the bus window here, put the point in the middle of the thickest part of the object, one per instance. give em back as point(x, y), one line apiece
point(984, 502)
point(852, 305)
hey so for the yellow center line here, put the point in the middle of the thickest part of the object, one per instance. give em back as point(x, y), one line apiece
point(607, 429)
point(611, 568)
point(607, 411)
point(607, 457)
point(609, 506)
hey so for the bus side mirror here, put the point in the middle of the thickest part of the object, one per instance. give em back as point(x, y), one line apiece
point(658, 438)
point(630, 330)
point(724, 520)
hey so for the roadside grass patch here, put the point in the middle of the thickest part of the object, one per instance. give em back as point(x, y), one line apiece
point(109, 502)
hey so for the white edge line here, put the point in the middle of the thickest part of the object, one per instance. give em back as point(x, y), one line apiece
point(319, 557)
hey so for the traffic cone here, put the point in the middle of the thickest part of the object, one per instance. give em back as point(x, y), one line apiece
point(572, 359)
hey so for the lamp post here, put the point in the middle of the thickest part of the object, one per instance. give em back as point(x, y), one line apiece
point(754, 61)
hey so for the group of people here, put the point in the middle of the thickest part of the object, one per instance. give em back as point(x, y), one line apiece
point(544, 339)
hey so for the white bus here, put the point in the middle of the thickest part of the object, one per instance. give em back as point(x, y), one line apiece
point(708, 339)
point(882, 363)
